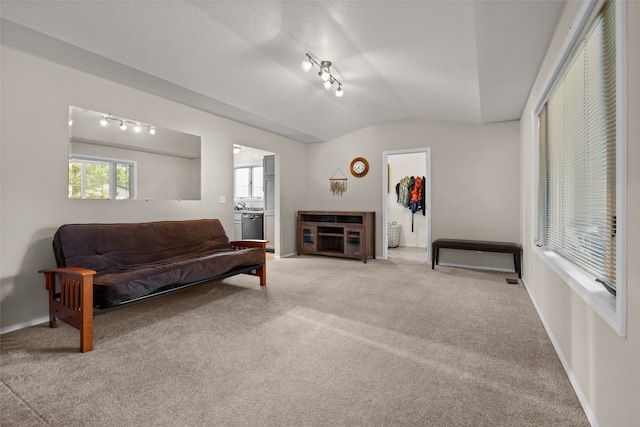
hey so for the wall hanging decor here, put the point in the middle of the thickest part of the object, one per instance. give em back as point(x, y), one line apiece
point(338, 183)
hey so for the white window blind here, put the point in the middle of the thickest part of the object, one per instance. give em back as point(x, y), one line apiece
point(577, 155)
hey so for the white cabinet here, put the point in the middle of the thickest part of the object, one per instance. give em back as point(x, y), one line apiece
point(237, 226)
point(269, 176)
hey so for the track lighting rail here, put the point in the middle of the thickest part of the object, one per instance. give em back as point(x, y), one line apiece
point(137, 126)
point(324, 73)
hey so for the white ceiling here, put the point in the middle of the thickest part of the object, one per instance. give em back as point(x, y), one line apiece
point(460, 61)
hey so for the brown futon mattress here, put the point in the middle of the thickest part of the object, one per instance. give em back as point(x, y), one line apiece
point(134, 260)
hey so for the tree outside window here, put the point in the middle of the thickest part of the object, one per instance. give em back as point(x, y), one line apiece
point(101, 179)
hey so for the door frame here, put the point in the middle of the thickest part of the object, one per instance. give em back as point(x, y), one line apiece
point(385, 196)
point(276, 206)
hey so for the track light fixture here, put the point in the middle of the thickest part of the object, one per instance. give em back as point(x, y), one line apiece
point(324, 73)
point(137, 127)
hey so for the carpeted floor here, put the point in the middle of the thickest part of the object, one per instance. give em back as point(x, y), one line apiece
point(329, 342)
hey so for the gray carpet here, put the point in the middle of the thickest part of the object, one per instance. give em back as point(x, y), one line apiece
point(329, 342)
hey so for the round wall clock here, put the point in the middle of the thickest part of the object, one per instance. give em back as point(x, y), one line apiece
point(359, 167)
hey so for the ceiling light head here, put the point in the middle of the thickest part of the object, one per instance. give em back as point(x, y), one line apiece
point(339, 91)
point(103, 121)
point(123, 126)
point(325, 72)
point(307, 65)
point(137, 128)
point(152, 131)
point(328, 83)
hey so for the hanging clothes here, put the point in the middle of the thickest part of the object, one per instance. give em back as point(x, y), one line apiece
point(416, 198)
point(403, 192)
point(410, 194)
point(415, 203)
point(424, 199)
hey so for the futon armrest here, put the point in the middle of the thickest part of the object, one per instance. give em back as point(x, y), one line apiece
point(254, 243)
point(249, 243)
point(77, 273)
point(72, 300)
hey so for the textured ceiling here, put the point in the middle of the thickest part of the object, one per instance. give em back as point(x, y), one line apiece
point(460, 61)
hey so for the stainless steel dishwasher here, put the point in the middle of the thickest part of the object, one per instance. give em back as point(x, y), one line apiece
point(253, 225)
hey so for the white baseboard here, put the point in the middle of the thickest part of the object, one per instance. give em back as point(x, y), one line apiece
point(23, 325)
point(574, 383)
point(476, 267)
point(288, 255)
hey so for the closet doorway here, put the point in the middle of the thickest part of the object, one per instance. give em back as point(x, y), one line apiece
point(414, 228)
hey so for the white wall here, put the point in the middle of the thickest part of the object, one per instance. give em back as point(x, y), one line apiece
point(605, 367)
point(36, 95)
point(400, 166)
point(474, 173)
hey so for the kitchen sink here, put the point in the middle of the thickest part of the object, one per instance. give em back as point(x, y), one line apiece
point(248, 210)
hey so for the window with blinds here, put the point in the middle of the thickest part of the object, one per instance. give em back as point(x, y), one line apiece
point(577, 155)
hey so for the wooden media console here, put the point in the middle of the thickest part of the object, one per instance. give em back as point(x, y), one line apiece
point(340, 234)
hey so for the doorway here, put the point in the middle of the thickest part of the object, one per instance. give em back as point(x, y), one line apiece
point(254, 187)
point(414, 228)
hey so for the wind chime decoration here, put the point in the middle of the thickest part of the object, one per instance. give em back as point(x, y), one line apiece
point(338, 183)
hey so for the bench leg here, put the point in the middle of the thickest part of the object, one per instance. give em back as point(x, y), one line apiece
point(517, 261)
point(435, 255)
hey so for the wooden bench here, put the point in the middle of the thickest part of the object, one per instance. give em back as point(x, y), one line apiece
point(478, 245)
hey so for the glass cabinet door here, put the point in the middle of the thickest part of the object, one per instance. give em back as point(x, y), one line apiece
point(353, 242)
point(308, 241)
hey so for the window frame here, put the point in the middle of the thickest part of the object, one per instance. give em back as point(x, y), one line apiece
point(113, 163)
point(612, 309)
point(251, 179)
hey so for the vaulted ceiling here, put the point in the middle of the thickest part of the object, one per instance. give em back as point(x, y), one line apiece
point(459, 61)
